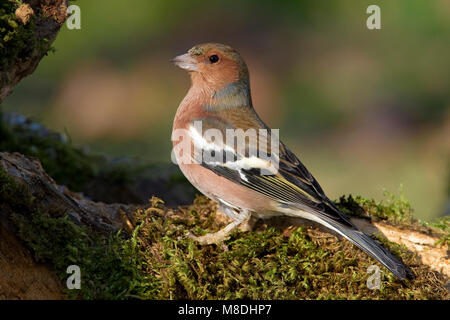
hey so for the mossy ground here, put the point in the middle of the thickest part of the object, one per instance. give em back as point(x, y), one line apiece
point(268, 263)
point(157, 261)
point(107, 262)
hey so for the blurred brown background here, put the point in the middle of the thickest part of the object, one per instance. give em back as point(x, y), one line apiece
point(363, 109)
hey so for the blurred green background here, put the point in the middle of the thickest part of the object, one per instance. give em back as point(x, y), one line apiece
point(363, 109)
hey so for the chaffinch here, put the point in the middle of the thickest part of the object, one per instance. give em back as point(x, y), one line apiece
point(254, 178)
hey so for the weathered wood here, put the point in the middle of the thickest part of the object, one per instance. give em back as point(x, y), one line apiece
point(100, 216)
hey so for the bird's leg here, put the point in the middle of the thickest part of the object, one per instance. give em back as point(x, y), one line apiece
point(222, 235)
point(233, 213)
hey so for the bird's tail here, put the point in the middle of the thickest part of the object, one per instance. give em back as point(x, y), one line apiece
point(370, 246)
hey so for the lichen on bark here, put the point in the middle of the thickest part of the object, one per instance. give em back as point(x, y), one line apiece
point(27, 30)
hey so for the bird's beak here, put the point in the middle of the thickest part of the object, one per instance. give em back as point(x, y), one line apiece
point(186, 62)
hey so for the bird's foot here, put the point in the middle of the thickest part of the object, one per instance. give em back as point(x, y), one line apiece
point(223, 234)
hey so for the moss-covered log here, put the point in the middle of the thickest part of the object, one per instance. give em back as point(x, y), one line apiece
point(142, 251)
point(27, 30)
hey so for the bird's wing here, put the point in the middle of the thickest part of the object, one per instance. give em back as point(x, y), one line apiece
point(291, 184)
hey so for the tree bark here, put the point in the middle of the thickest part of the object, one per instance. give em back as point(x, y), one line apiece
point(23, 52)
point(28, 171)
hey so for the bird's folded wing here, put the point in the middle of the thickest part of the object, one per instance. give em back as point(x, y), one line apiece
point(289, 183)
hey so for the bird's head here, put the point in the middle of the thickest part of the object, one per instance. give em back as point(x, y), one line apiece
point(213, 65)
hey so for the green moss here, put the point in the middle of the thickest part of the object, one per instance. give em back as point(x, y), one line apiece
point(75, 167)
point(442, 227)
point(18, 42)
point(395, 209)
point(157, 261)
point(65, 163)
point(109, 264)
point(265, 264)
point(62, 161)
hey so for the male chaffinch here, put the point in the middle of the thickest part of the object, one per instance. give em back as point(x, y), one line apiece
point(240, 179)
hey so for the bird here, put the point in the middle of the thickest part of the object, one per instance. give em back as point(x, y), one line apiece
point(259, 177)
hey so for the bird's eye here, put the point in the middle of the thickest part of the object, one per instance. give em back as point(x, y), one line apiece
point(214, 58)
